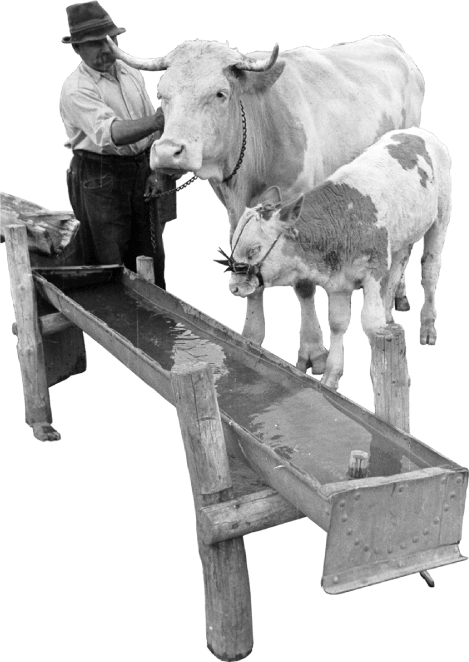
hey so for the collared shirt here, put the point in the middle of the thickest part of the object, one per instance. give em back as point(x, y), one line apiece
point(92, 100)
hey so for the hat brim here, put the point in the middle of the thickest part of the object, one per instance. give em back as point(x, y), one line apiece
point(96, 36)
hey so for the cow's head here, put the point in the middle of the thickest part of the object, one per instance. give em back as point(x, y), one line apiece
point(199, 95)
point(260, 256)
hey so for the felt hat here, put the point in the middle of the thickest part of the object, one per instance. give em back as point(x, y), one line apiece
point(88, 22)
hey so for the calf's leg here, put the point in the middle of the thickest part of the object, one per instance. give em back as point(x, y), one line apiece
point(401, 302)
point(431, 263)
point(374, 310)
point(339, 320)
point(312, 353)
point(396, 282)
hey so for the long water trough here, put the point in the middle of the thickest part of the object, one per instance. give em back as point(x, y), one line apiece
point(283, 430)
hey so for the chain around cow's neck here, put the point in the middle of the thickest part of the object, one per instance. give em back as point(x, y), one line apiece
point(243, 146)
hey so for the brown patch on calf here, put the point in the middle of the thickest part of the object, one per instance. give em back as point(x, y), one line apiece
point(304, 288)
point(338, 224)
point(406, 152)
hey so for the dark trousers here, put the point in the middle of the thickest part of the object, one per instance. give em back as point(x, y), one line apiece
point(106, 194)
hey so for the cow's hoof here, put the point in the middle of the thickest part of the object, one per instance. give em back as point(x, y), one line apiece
point(427, 334)
point(45, 432)
point(402, 304)
point(303, 363)
point(318, 364)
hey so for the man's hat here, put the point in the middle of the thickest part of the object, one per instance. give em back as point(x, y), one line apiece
point(87, 22)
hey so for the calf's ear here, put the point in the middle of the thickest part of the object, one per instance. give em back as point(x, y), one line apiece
point(271, 197)
point(292, 210)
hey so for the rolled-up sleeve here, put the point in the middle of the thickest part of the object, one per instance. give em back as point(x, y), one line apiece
point(85, 110)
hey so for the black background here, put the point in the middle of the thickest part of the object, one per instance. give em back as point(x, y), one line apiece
point(112, 415)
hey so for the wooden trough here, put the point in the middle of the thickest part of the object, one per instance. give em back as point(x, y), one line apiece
point(265, 444)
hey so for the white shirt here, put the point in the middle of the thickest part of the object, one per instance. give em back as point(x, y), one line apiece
point(92, 100)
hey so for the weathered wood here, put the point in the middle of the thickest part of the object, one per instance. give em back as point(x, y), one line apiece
point(30, 347)
point(145, 268)
point(247, 514)
point(49, 324)
point(390, 376)
point(48, 233)
point(226, 580)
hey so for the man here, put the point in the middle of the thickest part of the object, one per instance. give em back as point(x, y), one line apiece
point(110, 124)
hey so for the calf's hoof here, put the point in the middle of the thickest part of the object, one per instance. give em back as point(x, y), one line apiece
point(402, 304)
point(319, 363)
point(427, 334)
point(330, 381)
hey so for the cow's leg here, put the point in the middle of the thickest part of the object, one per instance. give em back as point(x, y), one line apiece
point(312, 353)
point(431, 262)
point(339, 319)
point(401, 302)
point(395, 289)
point(254, 325)
point(374, 309)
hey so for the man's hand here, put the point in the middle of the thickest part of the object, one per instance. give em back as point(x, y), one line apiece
point(152, 187)
point(159, 121)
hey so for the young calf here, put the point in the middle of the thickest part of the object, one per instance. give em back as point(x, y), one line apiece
point(355, 230)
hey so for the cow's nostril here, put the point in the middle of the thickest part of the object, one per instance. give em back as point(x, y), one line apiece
point(179, 151)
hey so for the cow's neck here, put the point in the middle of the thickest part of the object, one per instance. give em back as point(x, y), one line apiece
point(274, 155)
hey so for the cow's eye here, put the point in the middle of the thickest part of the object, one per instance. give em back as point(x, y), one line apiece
point(221, 94)
point(253, 251)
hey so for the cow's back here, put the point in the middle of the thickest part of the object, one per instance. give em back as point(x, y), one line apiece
point(346, 97)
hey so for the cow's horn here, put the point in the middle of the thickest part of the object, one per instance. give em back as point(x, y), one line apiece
point(258, 65)
point(148, 64)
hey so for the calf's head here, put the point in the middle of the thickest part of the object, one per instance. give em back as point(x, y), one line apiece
point(260, 255)
point(200, 99)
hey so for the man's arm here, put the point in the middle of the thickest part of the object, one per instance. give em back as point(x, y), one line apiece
point(125, 132)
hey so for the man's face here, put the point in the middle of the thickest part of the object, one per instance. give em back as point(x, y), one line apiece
point(97, 54)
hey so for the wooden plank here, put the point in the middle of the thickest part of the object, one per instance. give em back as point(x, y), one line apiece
point(49, 324)
point(247, 514)
point(49, 233)
point(145, 268)
point(228, 613)
point(30, 346)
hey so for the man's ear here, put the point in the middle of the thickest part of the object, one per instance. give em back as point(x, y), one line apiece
point(257, 82)
point(272, 197)
point(292, 210)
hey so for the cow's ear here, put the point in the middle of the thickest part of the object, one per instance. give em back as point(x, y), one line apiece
point(292, 210)
point(272, 197)
point(257, 82)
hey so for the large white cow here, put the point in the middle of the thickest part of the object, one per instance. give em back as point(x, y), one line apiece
point(355, 230)
point(304, 113)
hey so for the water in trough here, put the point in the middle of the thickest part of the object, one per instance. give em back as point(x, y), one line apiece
point(302, 424)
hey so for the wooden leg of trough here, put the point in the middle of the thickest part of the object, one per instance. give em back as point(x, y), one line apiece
point(391, 384)
point(226, 579)
point(30, 347)
point(145, 268)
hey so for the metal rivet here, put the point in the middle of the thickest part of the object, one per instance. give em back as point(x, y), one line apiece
point(443, 480)
point(446, 507)
point(426, 532)
point(403, 545)
point(452, 495)
point(342, 504)
point(389, 550)
point(366, 548)
point(349, 532)
point(356, 542)
point(459, 480)
point(335, 580)
point(357, 496)
point(344, 518)
point(400, 489)
point(400, 564)
point(377, 551)
point(436, 520)
point(415, 539)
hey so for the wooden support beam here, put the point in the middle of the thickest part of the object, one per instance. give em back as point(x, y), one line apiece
point(246, 514)
point(49, 324)
point(145, 268)
point(30, 347)
point(226, 580)
point(390, 376)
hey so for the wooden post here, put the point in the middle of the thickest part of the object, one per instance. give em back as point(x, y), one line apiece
point(226, 579)
point(390, 376)
point(391, 384)
point(30, 347)
point(145, 268)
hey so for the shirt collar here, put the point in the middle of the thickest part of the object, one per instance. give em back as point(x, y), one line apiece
point(97, 75)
